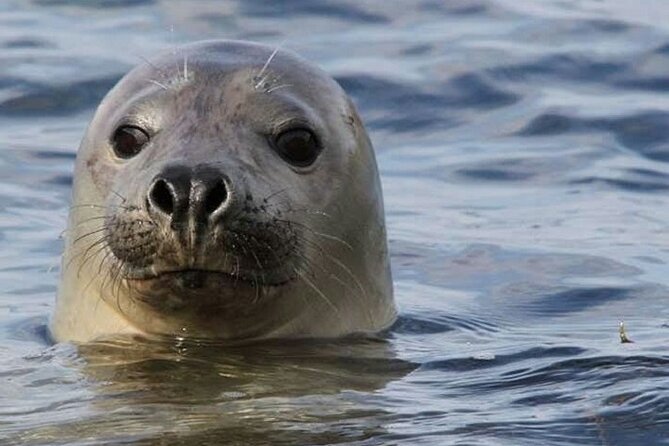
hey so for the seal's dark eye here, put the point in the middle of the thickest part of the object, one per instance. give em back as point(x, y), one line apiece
point(298, 146)
point(128, 140)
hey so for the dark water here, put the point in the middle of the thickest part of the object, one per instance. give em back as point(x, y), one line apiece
point(524, 150)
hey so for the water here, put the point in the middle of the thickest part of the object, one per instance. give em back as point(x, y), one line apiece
point(523, 148)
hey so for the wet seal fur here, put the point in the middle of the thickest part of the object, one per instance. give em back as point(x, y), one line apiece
point(237, 243)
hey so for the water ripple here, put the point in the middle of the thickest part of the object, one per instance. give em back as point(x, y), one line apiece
point(45, 100)
point(523, 148)
point(598, 372)
point(473, 363)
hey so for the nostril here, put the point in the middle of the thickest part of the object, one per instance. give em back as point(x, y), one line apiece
point(215, 197)
point(162, 197)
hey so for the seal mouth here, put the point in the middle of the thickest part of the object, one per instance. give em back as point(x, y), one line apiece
point(193, 278)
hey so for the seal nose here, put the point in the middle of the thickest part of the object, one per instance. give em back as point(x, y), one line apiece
point(181, 193)
point(163, 196)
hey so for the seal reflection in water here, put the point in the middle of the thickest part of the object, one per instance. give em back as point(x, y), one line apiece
point(225, 191)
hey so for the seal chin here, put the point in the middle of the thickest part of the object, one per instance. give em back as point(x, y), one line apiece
point(194, 279)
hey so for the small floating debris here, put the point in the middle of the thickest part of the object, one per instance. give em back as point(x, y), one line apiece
point(623, 336)
point(483, 356)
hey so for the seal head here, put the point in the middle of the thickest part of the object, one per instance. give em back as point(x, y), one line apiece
point(225, 191)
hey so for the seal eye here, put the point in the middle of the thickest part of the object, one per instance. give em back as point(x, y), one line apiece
point(298, 146)
point(128, 140)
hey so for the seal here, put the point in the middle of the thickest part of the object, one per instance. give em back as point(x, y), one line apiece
point(225, 191)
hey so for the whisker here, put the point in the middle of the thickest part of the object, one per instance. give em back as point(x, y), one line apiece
point(290, 209)
point(348, 271)
point(77, 206)
point(155, 82)
point(86, 257)
point(317, 290)
point(86, 220)
point(82, 253)
point(273, 194)
point(102, 261)
point(320, 234)
point(278, 87)
point(154, 66)
point(264, 67)
point(88, 234)
point(123, 199)
point(308, 212)
point(93, 277)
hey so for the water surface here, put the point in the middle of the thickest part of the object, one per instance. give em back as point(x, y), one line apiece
point(524, 150)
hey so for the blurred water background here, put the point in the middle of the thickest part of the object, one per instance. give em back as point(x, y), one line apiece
point(524, 153)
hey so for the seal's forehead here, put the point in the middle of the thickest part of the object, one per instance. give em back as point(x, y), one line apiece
point(222, 58)
point(208, 75)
